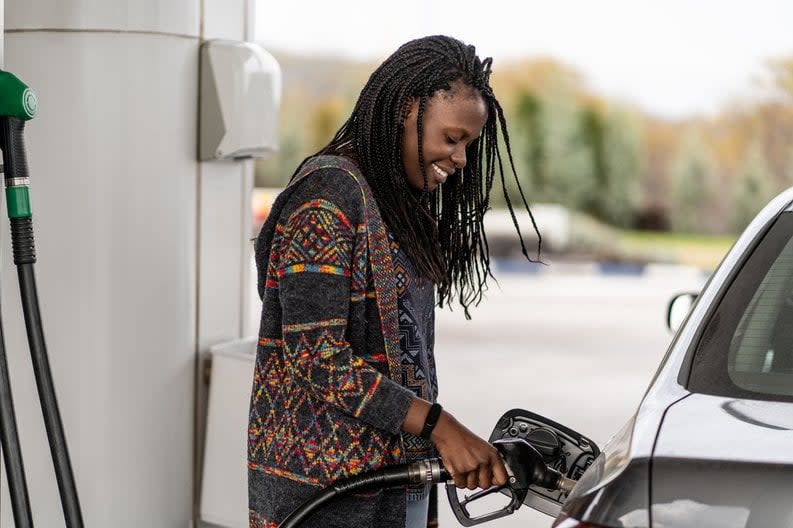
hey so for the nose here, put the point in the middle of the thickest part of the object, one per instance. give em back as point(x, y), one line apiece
point(458, 157)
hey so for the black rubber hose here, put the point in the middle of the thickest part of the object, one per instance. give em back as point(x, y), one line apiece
point(384, 478)
point(15, 168)
point(14, 163)
point(12, 452)
point(49, 403)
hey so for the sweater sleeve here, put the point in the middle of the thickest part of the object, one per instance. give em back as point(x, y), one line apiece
point(314, 272)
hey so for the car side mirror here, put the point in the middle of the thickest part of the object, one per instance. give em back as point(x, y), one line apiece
point(678, 309)
point(562, 449)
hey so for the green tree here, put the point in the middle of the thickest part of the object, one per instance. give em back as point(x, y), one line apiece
point(592, 136)
point(613, 143)
point(532, 132)
point(624, 158)
point(568, 163)
point(693, 184)
point(752, 189)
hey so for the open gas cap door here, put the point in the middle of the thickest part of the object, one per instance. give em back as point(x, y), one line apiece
point(562, 449)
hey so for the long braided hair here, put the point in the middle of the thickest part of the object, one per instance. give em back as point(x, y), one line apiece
point(441, 231)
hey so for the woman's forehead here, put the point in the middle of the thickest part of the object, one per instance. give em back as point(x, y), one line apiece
point(468, 111)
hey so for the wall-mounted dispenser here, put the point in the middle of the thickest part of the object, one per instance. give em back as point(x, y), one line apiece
point(240, 95)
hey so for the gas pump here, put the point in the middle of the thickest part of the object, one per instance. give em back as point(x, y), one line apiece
point(18, 104)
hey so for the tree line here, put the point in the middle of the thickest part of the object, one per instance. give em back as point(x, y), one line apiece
point(610, 160)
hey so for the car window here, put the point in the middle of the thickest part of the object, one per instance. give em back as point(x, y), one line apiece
point(746, 349)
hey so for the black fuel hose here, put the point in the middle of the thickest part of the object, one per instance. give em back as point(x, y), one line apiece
point(17, 179)
point(430, 471)
point(12, 452)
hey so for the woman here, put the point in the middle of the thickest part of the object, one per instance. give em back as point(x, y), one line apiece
point(349, 261)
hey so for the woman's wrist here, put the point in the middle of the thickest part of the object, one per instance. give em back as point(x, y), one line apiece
point(414, 419)
point(431, 420)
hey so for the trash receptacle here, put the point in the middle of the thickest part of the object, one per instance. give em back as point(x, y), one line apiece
point(224, 488)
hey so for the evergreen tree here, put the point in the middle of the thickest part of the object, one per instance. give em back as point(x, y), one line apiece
point(530, 116)
point(613, 143)
point(568, 164)
point(752, 189)
point(624, 157)
point(692, 186)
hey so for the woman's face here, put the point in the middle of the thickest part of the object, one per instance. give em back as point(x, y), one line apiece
point(452, 121)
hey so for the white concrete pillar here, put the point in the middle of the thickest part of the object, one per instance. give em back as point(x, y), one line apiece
point(115, 187)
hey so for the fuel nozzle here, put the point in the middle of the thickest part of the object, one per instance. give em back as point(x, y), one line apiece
point(18, 104)
point(525, 467)
point(528, 467)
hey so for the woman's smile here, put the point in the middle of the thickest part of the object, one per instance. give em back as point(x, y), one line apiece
point(440, 174)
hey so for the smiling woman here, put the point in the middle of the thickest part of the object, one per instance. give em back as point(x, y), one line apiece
point(453, 121)
point(349, 262)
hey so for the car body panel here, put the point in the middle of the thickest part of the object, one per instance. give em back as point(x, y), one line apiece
point(721, 494)
point(724, 462)
point(705, 427)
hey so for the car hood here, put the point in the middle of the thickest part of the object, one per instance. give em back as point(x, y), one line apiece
point(723, 462)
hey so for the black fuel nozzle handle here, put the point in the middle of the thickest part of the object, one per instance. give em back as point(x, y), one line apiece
point(17, 181)
point(12, 142)
point(525, 467)
point(18, 103)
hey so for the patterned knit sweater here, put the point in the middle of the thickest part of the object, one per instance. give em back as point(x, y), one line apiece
point(326, 401)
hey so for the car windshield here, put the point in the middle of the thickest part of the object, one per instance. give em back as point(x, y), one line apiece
point(746, 349)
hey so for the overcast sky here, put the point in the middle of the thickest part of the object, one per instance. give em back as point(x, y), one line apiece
point(671, 57)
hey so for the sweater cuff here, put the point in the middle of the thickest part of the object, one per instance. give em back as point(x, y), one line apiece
point(388, 407)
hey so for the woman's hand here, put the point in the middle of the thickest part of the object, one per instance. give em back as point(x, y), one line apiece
point(471, 461)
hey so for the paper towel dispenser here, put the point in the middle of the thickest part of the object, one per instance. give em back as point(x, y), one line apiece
point(240, 95)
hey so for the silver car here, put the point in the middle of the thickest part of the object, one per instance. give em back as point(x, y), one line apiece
point(711, 444)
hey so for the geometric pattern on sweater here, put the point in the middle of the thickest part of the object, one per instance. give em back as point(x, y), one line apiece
point(321, 370)
point(294, 413)
point(416, 339)
point(318, 240)
point(255, 520)
point(321, 405)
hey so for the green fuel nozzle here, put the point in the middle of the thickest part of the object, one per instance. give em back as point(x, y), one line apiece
point(16, 99)
point(18, 104)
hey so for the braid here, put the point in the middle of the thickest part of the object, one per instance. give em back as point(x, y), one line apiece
point(442, 231)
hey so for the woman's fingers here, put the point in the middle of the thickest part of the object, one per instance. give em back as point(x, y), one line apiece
point(484, 476)
point(499, 472)
point(460, 479)
point(473, 480)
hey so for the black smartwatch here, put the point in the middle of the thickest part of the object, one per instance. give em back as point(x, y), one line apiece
point(431, 421)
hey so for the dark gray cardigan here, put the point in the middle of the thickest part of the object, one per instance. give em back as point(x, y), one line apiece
point(326, 401)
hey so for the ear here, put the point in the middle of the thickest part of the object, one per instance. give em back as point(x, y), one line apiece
point(411, 110)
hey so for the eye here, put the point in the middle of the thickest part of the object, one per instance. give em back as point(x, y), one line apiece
point(450, 140)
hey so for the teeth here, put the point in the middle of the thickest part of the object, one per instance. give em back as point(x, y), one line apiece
point(441, 172)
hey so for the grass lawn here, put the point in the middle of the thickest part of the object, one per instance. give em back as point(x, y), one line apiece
point(694, 250)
